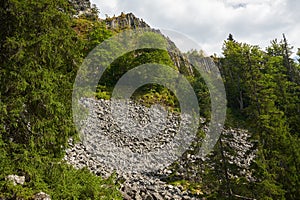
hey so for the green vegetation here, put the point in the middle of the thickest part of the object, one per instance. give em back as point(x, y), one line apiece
point(148, 94)
point(40, 53)
point(263, 97)
point(56, 178)
point(263, 86)
point(263, 91)
point(41, 48)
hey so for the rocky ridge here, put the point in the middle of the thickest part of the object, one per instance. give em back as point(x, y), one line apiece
point(130, 21)
point(125, 21)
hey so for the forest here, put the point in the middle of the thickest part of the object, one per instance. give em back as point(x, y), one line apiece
point(43, 45)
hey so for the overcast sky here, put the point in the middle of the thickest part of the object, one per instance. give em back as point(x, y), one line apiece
point(208, 22)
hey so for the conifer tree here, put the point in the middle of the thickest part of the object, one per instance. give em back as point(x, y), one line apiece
point(39, 57)
point(269, 91)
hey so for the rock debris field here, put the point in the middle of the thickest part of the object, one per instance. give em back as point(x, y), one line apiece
point(121, 138)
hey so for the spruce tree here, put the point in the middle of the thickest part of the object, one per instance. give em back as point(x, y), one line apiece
point(40, 53)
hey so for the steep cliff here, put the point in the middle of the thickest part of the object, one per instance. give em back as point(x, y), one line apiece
point(125, 21)
point(130, 21)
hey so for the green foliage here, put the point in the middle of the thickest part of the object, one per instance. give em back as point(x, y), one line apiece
point(40, 53)
point(151, 93)
point(39, 56)
point(150, 39)
point(148, 94)
point(41, 47)
point(262, 87)
point(59, 180)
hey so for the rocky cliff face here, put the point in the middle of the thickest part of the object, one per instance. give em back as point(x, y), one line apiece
point(125, 21)
point(130, 21)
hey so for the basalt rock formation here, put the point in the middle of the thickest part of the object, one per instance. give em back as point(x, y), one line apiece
point(125, 21)
point(130, 21)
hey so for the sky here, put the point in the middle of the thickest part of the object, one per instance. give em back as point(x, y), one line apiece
point(209, 22)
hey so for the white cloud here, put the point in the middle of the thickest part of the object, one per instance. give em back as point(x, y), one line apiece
point(210, 21)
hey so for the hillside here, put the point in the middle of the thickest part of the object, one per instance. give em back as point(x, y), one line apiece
point(44, 45)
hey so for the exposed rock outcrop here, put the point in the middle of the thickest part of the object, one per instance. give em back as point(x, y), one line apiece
point(125, 21)
point(130, 21)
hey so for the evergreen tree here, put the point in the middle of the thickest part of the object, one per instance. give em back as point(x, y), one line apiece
point(236, 70)
point(262, 86)
point(39, 57)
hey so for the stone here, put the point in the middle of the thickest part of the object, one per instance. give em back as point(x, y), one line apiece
point(42, 196)
point(137, 185)
point(16, 179)
point(157, 196)
point(138, 196)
